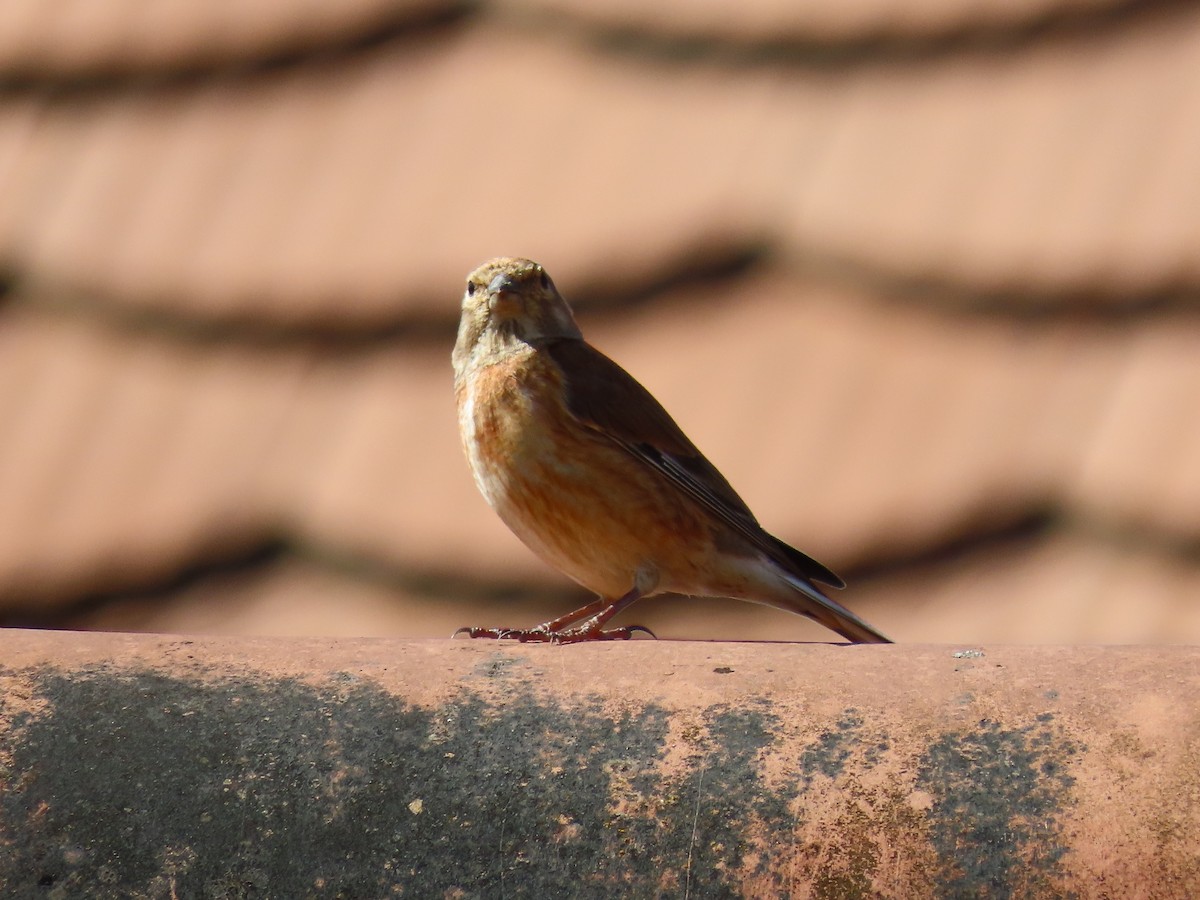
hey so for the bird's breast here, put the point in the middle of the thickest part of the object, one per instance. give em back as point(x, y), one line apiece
point(575, 498)
point(503, 415)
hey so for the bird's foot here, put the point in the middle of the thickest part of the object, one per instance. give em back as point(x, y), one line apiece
point(544, 635)
point(583, 633)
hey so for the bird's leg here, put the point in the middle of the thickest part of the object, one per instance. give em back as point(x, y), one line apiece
point(558, 631)
point(541, 632)
point(593, 628)
point(554, 626)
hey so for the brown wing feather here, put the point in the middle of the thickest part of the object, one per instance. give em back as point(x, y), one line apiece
point(606, 398)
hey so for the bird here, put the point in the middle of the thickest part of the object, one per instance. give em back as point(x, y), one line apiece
point(591, 473)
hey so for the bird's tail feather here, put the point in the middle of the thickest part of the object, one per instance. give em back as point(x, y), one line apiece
point(830, 613)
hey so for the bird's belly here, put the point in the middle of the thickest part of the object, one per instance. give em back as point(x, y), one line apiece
point(578, 501)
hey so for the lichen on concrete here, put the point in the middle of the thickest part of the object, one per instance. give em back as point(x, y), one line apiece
point(140, 784)
point(521, 773)
point(1000, 793)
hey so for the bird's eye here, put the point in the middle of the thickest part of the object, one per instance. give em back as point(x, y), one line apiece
point(470, 289)
point(545, 280)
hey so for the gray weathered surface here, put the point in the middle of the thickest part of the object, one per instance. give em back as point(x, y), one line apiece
point(164, 766)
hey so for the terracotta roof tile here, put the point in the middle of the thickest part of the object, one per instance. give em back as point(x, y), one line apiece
point(1031, 173)
point(1058, 588)
point(857, 430)
point(138, 455)
point(273, 218)
point(300, 598)
point(385, 479)
point(865, 426)
point(1068, 588)
point(241, 199)
point(1141, 470)
point(295, 598)
point(81, 38)
point(779, 22)
point(355, 195)
point(130, 457)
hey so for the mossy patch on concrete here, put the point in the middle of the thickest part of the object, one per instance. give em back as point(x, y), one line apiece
point(135, 783)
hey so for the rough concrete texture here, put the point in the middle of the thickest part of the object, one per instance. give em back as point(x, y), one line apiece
point(144, 766)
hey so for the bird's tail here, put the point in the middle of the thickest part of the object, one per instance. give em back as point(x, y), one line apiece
point(799, 570)
point(830, 613)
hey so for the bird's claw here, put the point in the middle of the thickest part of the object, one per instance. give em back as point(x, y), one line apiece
point(579, 635)
point(541, 635)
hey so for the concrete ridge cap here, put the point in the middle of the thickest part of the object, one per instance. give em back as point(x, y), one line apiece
point(164, 764)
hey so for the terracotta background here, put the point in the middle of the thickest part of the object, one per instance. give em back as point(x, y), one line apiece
point(920, 278)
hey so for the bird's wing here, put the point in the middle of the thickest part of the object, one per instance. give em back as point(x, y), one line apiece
point(610, 401)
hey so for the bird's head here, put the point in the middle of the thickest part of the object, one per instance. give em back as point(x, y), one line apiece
point(509, 301)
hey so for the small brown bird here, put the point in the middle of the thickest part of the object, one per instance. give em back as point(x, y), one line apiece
point(586, 468)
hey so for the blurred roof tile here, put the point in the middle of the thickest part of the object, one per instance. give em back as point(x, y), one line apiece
point(861, 428)
point(1142, 467)
point(1028, 173)
point(128, 458)
point(779, 22)
point(353, 194)
point(1061, 588)
point(74, 38)
point(211, 199)
point(293, 598)
point(856, 429)
point(829, 455)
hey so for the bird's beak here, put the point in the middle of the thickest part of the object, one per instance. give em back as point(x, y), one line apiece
point(502, 294)
point(501, 284)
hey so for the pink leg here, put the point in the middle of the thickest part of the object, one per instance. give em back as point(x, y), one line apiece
point(559, 631)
